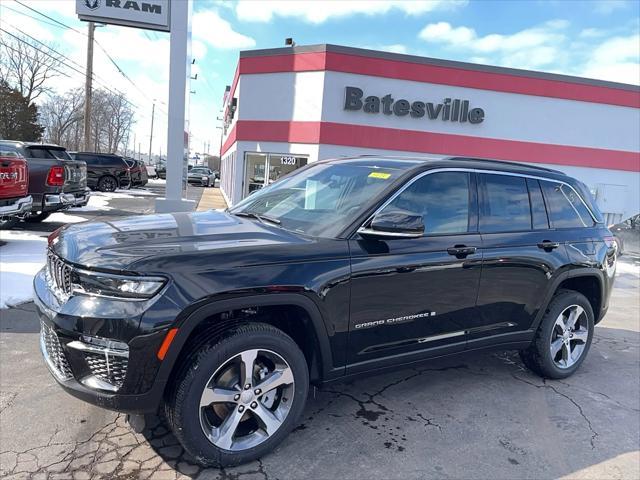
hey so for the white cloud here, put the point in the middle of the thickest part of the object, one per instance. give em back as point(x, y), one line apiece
point(546, 46)
point(605, 7)
point(319, 11)
point(616, 59)
point(535, 47)
point(209, 27)
point(393, 48)
point(547, 34)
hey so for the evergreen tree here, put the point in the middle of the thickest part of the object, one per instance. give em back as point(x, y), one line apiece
point(18, 118)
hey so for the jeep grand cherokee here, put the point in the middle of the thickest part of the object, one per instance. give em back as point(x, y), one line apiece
point(344, 267)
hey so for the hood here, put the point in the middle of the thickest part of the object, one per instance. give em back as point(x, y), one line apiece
point(169, 242)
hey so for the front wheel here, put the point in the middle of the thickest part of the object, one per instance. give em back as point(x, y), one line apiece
point(238, 397)
point(563, 337)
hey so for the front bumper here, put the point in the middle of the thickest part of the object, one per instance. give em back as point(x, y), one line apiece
point(90, 356)
point(19, 208)
point(67, 200)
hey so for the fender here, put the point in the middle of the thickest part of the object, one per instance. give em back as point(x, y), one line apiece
point(192, 320)
point(573, 273)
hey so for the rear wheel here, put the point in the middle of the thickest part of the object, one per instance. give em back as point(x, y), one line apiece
point(238, 397)
point(563, 338)
point(107, 184)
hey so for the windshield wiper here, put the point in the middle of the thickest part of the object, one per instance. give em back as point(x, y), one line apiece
point(261, 218)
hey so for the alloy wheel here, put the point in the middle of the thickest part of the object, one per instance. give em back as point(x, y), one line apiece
point(569, 336)
point(108, 184)
point(246, 400)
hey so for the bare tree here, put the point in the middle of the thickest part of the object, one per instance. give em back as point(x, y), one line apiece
point(60, 114)
point(27, 65)
point(112, 118)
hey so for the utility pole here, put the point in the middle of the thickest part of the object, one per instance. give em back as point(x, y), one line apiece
point(153, 111)
point(139, 150)
point(87, 88)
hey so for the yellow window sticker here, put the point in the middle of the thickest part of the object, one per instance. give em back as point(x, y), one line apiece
point(381, 175)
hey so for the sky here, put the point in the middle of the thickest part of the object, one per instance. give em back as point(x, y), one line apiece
point(595, 38)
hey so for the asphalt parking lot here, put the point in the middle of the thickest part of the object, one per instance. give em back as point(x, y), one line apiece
point(480, 415)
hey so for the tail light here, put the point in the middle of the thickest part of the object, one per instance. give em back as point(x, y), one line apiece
point(56, 176)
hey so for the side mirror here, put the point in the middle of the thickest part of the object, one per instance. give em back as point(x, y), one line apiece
point(394, 224)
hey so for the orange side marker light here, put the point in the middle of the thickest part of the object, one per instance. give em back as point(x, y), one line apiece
point(162, 351)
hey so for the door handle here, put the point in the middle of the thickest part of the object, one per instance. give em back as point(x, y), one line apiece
point(548, 245)
point(461, 251)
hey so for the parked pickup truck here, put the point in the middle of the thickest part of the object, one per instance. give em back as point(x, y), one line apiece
point(56, 182)
point(15, 202)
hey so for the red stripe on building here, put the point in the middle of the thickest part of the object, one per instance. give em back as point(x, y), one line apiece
point(460, 77)
point(429, 142)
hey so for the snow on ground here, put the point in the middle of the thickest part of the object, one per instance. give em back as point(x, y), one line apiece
point(64, 217)
point(630, 265)
point(96, 202)
point(20, 259)
point(157, 181)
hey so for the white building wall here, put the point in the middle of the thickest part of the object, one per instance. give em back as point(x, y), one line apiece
point(287, 96)
point(508, 116)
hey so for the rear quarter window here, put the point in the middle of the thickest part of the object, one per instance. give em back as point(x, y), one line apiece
point(565, 207)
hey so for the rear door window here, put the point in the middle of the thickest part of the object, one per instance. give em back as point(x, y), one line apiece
point(504, 204)
point(565, 207)
point(48, 153)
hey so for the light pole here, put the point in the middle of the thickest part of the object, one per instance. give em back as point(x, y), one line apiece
point(87, 88)
point(153, 111)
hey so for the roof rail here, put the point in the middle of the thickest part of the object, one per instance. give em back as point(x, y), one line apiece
point(506, 162)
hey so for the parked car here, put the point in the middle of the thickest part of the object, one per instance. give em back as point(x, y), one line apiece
point(627, 235)
point(106, 172)
point(138, 170)
point(151, 171)
point(15, 201)
point(161, 171)
point(340, 269)
point(202, 176)
point(56, 181)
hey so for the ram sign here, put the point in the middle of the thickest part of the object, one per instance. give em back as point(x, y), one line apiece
point(147, 14)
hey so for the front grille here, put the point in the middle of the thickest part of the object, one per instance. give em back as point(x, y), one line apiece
point(54, 354)
point(59, 273)
point(109, 368)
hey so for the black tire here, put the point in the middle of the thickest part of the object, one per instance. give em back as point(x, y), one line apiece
point(108, 184)
point(182, 407)
point(8, 223)
point(538, 357)
point(36, 217)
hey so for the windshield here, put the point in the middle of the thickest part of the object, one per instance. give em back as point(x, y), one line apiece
point(320, 200)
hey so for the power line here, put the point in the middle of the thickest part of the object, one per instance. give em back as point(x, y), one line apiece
point(50, 18)
point(62, 25)
point(45, 45)
point(101, 82)
point(30, 16)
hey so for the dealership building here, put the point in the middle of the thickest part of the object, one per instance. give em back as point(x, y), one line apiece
point(288, 107)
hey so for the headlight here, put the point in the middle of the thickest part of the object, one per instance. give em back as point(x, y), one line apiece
point(119, 286)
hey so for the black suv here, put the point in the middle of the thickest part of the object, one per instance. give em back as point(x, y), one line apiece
point(339, 269)
point(105, 171)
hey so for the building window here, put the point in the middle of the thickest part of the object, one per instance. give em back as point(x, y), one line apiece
point(262, 169)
